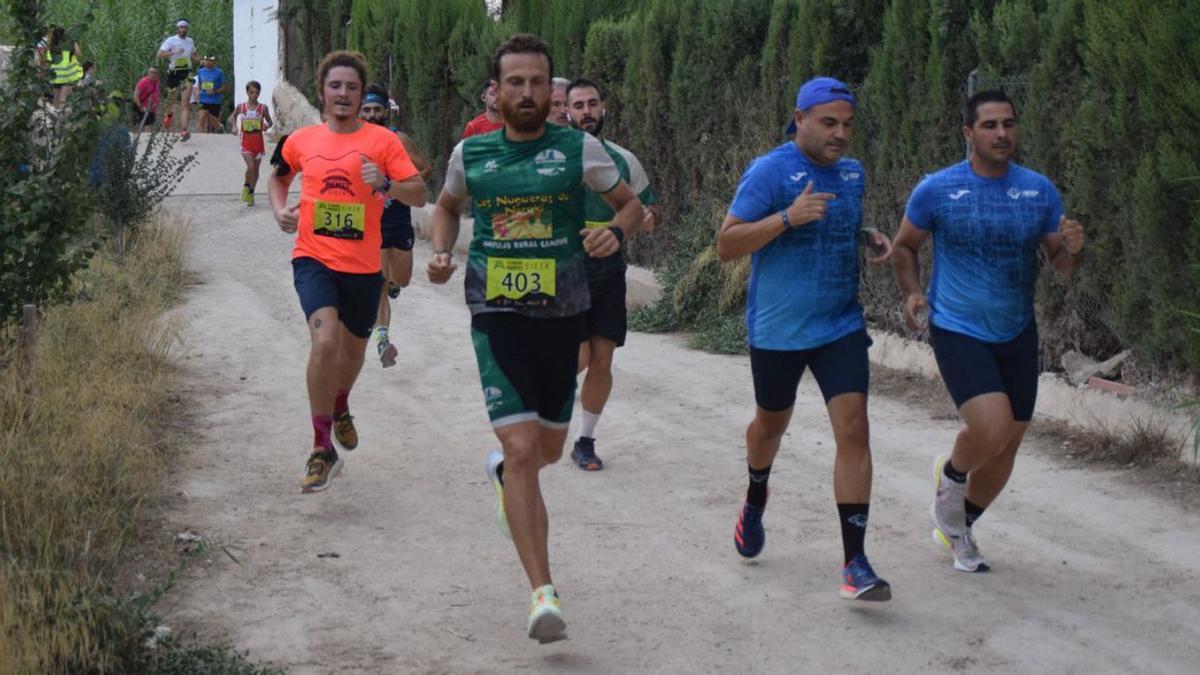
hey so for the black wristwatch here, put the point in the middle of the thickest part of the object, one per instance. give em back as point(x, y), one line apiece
point(618, 233)
point(387, 185)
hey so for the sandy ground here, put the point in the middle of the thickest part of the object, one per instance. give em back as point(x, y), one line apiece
point(1090, 574)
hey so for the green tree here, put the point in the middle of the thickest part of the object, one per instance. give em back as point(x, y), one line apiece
point(45, 205)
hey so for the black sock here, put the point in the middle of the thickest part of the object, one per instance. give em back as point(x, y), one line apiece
point(854, 528)
point(973, 512)
point(953, 474)
point(756, 494)
point(500, 473)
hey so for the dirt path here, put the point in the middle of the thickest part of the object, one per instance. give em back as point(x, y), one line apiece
point(1090, 574)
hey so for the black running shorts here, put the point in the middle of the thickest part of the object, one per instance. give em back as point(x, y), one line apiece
point(355, 296)
point(397, 232)
point(607, 317)
point(840, 367)
point(971, 367)
point(176, 78)
point(527, 367)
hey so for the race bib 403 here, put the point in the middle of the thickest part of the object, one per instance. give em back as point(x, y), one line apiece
point(342, 220)
point(520, 280)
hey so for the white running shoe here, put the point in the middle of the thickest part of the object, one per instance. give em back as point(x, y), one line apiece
point(949, 510)
point(545, 616)
point(494, 458)
point(967, 557)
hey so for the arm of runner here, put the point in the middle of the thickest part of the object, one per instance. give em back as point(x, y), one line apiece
point(414, 154)
point(267, 121)
point(906, 263)
point(443, 226)
point(604, 242)
point(408, 190)
point(652, 212)
point(278, 183)
point(739, 237)
point(652, 216)
point(878, 243)
point(1064, 248)
point(288, 217)
point(601, 176)
point(443, 232)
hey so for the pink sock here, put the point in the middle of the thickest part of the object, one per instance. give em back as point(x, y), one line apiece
point(342, 404)
point(322, 427)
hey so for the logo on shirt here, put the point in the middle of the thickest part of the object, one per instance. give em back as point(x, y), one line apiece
point(337, 182)
point(550, 162)
point(1017, 194)
point(492, 396)
point(959, 194)
point(798, 176)
point(491, 166)
point(851, 175)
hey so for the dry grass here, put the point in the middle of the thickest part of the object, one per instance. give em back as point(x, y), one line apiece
point(81, 459)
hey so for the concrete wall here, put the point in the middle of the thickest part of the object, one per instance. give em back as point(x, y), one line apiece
point(255, 47)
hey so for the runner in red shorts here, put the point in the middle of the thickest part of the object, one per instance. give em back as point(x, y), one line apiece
point(251, 119)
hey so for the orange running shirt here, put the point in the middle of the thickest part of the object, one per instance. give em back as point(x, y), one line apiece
point(339, 213)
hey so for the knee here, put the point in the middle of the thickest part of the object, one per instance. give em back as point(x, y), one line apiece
point(600, 361)
point(765, 429)
point(551, 455)
point(993, 437)
point(325, 347)
point(522, 456)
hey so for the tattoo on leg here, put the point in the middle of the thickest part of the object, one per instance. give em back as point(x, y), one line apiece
point(317, 323)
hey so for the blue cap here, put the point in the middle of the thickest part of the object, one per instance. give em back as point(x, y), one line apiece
point(817, 91)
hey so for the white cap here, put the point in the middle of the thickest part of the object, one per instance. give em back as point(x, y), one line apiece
point(181, 23)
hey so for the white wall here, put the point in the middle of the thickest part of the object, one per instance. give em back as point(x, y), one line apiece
point(255, 47)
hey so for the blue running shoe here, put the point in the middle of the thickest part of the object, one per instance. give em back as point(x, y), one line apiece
point(859, 582)
point(749, 536)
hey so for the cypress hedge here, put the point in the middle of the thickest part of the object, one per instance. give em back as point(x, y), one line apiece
point(1108, 92)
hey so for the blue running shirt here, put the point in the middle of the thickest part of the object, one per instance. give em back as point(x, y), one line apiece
point(210, 81)
point(804, 284)
point(986, 234)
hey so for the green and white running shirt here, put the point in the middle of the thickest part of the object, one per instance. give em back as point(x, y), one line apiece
point(599, 214)
point(528, 199)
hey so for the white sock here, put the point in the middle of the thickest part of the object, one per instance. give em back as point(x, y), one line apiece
point(588, 428)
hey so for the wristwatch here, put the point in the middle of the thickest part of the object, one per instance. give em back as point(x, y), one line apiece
point(787, 224)
point(387, 185)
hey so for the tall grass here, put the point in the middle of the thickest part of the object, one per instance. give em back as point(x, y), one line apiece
point(81, 459)
point(123, 35)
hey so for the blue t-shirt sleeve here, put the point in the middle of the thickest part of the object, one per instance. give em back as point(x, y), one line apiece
point(921, 206)
point(1054, 209)
point(755, 196)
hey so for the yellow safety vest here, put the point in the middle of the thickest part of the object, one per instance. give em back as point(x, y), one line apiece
point(66, 70)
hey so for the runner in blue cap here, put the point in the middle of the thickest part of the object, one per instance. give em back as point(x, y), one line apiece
point(798, 214)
